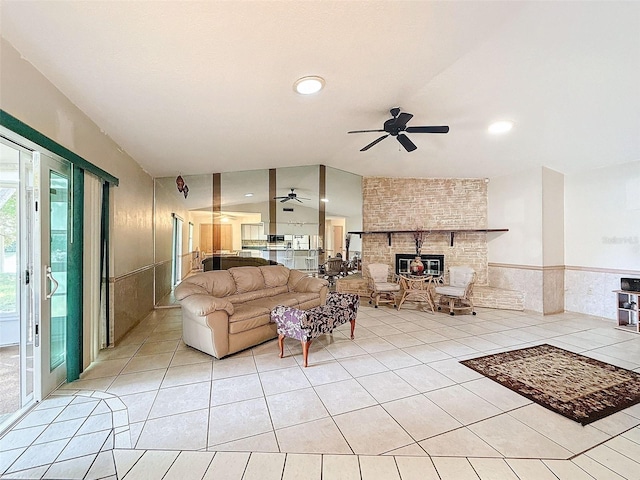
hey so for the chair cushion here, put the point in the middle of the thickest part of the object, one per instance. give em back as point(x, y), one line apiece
point(460, 276)
point(387, 287)
point(451, 291)
point(378, 272)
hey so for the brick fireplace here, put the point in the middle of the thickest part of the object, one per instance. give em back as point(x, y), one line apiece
point(426, 204)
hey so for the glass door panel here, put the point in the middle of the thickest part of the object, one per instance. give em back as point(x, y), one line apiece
point(53, 197)
point(16, 321)
point(59, 221)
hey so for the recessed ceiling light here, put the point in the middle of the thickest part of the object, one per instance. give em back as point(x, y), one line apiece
point(248, 194)
point(325, 200)
point(503, 126)
point(308, 85)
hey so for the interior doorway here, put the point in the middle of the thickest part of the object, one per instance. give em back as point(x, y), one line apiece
point(338, 240)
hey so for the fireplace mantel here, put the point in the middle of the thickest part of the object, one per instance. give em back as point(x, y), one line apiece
point(450, 231)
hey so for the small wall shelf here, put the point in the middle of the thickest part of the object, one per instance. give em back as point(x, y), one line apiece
point(450, 231)
point(627, 308)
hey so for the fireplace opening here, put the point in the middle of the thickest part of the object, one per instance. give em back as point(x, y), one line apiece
point(433, 264)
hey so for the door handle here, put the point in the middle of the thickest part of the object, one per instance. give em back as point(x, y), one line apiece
point(53, 281)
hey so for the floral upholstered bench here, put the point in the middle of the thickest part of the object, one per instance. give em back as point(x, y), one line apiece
point(306, 325)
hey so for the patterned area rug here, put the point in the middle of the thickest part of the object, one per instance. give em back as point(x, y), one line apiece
point(578, 387)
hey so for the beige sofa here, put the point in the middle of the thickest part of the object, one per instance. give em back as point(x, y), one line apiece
point(225, 311)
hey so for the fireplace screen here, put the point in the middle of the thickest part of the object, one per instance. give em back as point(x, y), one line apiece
point(433, 264)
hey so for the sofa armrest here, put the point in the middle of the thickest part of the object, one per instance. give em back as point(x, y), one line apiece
point(203, 305)
point(186, 289)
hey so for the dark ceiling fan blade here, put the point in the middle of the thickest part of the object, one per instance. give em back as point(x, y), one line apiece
point(365, 131)
point(377, 140)
point(286, 199)
point(402, 120)
point(434, 129)
point(408, 145)
point(298, 200)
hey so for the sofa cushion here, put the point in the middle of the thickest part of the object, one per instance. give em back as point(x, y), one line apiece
point(294, 278)
point(247, 317)
point(286, 299)
point(304, 298)
point(275, 276)
point(248, 279)
point(255, 295)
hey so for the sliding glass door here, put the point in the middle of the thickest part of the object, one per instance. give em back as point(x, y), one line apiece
point(42, 240)
point(17, 333)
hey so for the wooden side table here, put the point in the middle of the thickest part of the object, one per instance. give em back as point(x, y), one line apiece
point(415, 288)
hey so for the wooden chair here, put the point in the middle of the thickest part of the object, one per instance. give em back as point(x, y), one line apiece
point(333, 267)
point(383, 288)
point(458, 294)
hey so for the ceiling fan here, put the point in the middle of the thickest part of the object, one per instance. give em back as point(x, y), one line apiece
point(394, 126)
point(291, 196)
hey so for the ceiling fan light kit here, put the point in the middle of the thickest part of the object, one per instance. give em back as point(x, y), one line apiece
point(395, 127)
point(309, 85)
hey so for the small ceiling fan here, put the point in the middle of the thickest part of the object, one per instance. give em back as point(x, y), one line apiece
point(291, 196)
point(394, 126)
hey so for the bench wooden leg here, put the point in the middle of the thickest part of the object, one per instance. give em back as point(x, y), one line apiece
point(281, 344)
point(305, 351)
point(353, 327)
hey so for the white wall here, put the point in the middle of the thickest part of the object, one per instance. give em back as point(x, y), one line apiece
point(552, 218)
point(586, 221)
point(515, 202)
point(602, 218)
point(32, 99)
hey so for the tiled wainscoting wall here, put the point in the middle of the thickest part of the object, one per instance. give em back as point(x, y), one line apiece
point(163, 279)
point(520, 277)
point(562, 288)
point(132, 300)
point(590, 290)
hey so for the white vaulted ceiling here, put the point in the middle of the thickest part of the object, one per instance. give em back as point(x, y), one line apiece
point(207, 86)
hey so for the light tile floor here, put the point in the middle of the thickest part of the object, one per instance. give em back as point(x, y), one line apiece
point(395, 403)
